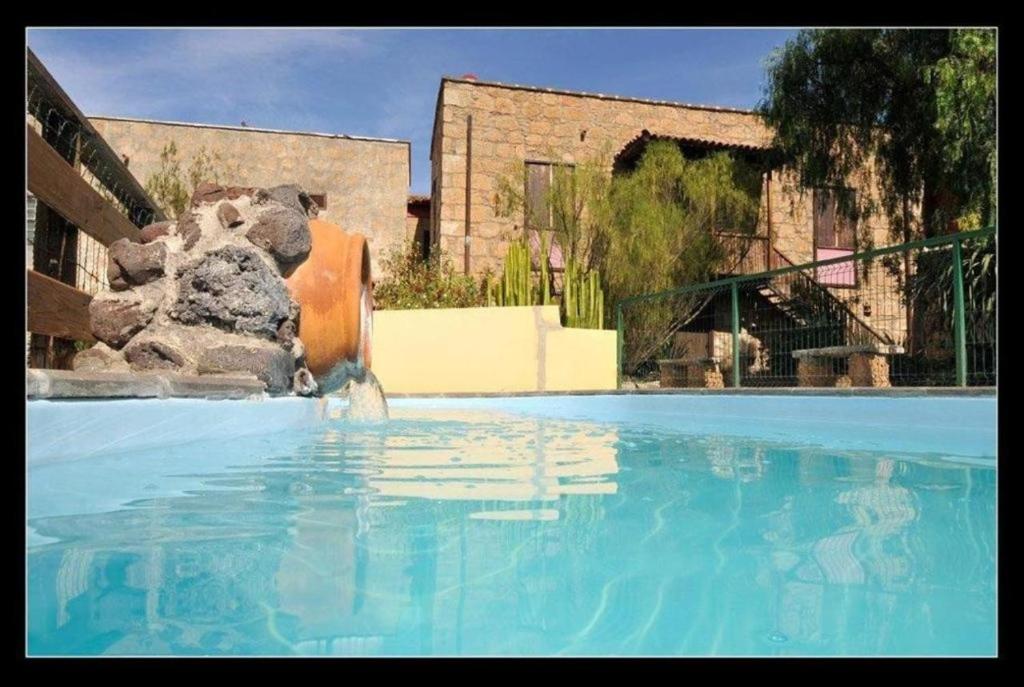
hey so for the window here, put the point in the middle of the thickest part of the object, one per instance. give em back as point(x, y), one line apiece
point(538, 190)
point(835, 230)
point(320, 199)
point(540, 178)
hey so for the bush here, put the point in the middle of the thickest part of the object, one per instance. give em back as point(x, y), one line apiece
point(414, 283)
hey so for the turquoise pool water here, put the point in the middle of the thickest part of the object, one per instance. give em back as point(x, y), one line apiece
point(633, 525)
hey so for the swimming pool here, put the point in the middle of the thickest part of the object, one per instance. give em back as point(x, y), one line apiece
point(558, 526)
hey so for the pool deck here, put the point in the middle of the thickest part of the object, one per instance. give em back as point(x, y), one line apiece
point(65, 384)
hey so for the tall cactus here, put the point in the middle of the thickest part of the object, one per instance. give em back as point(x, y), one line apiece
point(582, 298)
point(545, 277)
point(514, 286)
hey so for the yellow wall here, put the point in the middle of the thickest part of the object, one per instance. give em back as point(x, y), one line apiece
point(477, 350)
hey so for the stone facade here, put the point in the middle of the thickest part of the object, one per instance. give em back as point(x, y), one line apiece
point(417, 222)
point(513, 124)
point(365, 181)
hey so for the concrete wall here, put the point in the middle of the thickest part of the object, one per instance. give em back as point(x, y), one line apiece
point(481, 350)
point(366, 181)
point(512, 124)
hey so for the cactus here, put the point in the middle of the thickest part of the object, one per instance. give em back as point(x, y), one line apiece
point(545, 278)
point(514, 286)
point(582, 298)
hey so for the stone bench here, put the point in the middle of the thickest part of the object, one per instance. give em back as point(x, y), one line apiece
point(691, 372)
point(868, 365)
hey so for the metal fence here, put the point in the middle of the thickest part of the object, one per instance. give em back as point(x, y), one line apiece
point(915, 314)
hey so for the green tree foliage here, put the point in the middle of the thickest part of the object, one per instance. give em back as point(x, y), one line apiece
point(661, 235)
point(649, 229)
point(965, 100)
point(920, 103)
point(576, 197)
point(414, 283)
point(172, 185)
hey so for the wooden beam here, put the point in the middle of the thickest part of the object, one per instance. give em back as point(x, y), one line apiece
point(56, 309)
point(56, 183)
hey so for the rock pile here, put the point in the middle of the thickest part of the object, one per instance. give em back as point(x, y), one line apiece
point(206, 294)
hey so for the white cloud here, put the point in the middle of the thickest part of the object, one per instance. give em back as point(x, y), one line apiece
point(227, 74)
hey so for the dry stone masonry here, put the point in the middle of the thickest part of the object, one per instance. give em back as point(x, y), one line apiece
point(206, 294)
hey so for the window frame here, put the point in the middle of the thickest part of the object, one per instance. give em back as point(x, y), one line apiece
point(833, 191)
point(527, 207)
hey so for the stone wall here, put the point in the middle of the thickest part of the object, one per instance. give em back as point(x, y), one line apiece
point(366, 181)
point(512, 124)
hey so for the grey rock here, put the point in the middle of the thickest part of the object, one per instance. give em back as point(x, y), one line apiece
point(151, 232)
point(289, 195)
point(232, 289)
point(228, 215)
point(99, 358)
point(303, 384)
point(153, 355)
point(115, 278)
point(284, 233)
point(134, 264)
point(286, 334)
point(299, 353)
point(272, 365)
point(115, 321)
point(188, 230)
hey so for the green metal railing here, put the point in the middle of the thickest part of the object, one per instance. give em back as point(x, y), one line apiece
point(928, 304)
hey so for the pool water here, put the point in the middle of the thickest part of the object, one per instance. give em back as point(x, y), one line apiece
point(525, 527)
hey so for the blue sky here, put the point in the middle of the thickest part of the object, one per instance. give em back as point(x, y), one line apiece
point(384, 82)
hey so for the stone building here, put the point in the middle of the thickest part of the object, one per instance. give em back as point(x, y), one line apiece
point(417, 223)
point(360, 183)
point(485, 130)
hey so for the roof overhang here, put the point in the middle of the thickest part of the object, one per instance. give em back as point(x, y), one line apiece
point(631, 152)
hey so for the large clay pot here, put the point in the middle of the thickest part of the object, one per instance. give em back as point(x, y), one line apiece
point(334, 290)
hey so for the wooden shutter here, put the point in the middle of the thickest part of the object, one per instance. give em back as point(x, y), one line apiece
point(538, 188)
point(824, 219)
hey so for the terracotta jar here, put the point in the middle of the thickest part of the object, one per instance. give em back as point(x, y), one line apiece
point(334, 289)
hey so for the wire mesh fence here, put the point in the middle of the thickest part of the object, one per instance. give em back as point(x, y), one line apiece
point(55, 246)
point(916, 314)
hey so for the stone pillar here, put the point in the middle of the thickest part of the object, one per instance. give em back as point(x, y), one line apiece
point(814, 372)
point(869, 369)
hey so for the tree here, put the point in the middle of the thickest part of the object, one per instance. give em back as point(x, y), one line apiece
point(920, 104)
point(172, 188)
point(662, 234)
point(648, 230)
point(577, 197)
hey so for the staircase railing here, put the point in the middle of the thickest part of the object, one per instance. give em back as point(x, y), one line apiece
point(855, 324)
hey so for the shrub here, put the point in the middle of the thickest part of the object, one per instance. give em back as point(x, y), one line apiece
point(414, 283)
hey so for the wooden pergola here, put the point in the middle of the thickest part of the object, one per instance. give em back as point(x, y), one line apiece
point(63, 149)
